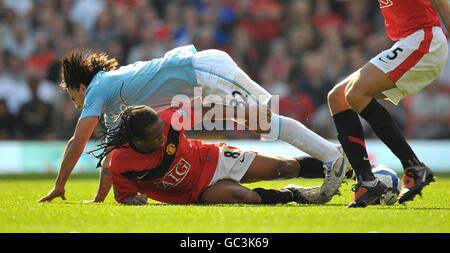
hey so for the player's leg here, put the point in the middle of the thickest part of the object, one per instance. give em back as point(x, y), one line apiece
point(231, 169)
point(217, 73)
point(421, 58)
point(405, 69)
point(266, 167)
point(412, 64)
point(361, 97)
point(301, 137)
point(271, 168)
point(351, 136)
point(247, 166)
point(229, 192)
point(332, 156)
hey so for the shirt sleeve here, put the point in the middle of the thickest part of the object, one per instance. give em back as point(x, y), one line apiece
point(123, 187)
point(93, 104)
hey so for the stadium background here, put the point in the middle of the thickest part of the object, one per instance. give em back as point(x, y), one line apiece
point(295, 49)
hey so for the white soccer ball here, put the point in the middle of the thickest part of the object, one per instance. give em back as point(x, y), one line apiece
point(388, 177)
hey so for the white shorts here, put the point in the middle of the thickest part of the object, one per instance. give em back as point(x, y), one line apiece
point(413, 62)
point(219, 75)
point(233, 163)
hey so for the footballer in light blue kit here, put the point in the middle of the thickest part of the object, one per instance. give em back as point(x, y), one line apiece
point(96, 86)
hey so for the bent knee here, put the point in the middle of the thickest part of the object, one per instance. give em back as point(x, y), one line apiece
point(222, 54)
point(336, 96)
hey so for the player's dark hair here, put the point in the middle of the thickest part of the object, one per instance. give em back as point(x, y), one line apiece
point(134, 123)
point(80, 66)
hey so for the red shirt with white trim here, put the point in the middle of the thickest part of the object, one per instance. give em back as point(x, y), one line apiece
point(404, 17)
point(187, 177)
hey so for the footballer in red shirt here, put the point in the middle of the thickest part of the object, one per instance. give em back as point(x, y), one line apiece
point(152, 157)
point(413, 62)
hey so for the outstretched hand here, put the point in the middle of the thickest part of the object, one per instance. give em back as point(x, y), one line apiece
point(92, 201)
point(54, 193)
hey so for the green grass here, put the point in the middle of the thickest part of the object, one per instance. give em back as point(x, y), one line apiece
point(19, 212)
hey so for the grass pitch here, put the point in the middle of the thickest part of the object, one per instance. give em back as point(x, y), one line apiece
point(19, 212)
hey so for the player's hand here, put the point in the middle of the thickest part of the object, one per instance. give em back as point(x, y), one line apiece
point(92, 201)
point(136, 200)
point(54, 193)
point(97, 199)
point(140, 199)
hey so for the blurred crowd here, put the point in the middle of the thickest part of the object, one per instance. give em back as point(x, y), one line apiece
point(297, 49)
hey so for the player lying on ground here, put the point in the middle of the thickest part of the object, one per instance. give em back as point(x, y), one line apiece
point(415, 60)
point(95, 85)
point(151, 157)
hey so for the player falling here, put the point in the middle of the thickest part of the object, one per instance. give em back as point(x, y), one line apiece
point(97, 87)
point(152, 157)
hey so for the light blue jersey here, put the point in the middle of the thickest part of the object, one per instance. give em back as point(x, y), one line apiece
point(152, 83)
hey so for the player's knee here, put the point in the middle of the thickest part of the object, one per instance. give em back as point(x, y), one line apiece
point(336, 97)
point(222, 54)
point(333, 96)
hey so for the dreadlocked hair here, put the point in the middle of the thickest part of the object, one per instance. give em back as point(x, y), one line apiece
point(133, 126)
point(80, 66)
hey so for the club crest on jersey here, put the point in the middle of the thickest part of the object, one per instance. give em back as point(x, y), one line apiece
point(171, 149)
point(174, 176)
point(385, 3)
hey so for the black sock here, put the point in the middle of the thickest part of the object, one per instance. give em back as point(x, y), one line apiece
point(351, 137)
point(274, 196)
point(385, 128)
point(310, 167)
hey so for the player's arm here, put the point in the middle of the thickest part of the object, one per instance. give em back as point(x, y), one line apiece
point(105, 182)
point(443, 7)
point(72, 153)
point(125, 190)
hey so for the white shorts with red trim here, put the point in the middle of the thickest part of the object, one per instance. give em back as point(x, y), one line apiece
point(413, 62)
point(233, 164)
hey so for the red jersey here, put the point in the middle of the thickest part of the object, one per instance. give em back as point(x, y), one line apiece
point(404, 17)
point(180, 179)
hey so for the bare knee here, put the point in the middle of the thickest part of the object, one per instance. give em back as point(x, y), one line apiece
point(336, 98)
point(335, 95)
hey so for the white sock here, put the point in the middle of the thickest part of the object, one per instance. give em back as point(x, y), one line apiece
point(296, 134)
